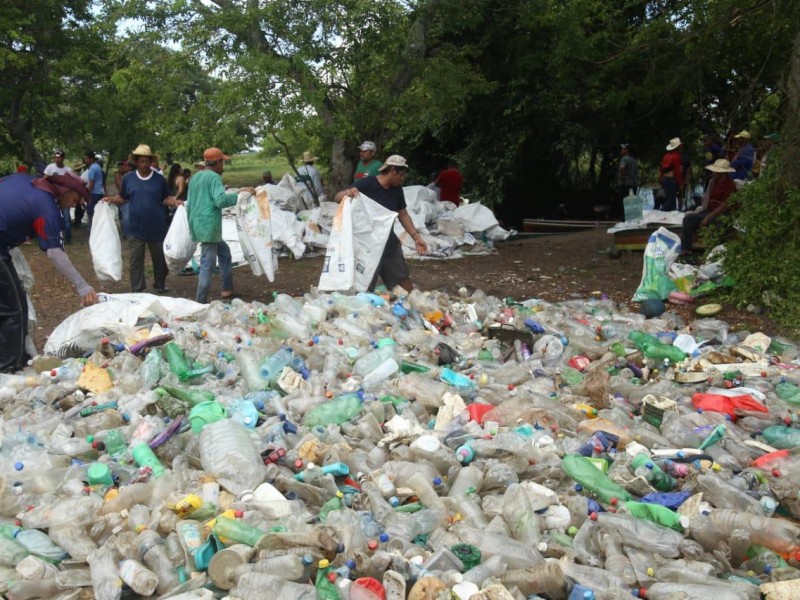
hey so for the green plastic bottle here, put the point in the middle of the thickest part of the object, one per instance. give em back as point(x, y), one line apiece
point(644, 466)
point(783, 438)
point(176, 359)
point(641, 339)
point(661, 352)
point(115, 443)
point(326, 589)
point(193, 396)
point(337, 411)
point(572, 376)
point(788, 392)
point(592, 479)
point(410, 367)
point(237, 531)
point(657, 514)
point(334, 503)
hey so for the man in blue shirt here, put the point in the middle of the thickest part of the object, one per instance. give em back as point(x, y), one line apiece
point(147, 195)
point(94, 182)
point(744, 159)
point(32, 208)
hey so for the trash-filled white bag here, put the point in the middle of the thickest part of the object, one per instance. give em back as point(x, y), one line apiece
point(360, 230)
point(178, 245)
point(115, 316)
point(104, 244)
point(662, 249)
point(254, 225)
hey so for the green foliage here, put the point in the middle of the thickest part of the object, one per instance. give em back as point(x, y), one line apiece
point(246, 169)
point(763, 257)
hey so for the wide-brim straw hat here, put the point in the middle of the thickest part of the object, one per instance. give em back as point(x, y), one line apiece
point(674, 143)
point(142, 150)
point(721, 166)
point(308, 157)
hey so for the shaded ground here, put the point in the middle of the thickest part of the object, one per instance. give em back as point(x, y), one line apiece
point(552, 268)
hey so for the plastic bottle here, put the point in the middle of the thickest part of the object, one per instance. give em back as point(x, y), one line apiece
point(644, 467)
point(106, 582)
point(273, 365)
point(152, 369)
point(424, 490)
point(257, 586)
point(336, 411)
point(782, 437)
point(237, 531)
point(145, 457)
point(36, 588)
point(776, 534)
point(11, 553)
point(193, 396)
point(227, 452)
point(632, 205)
point(381, 373)
point(657, 514)
point(138, 577)
point(289, 566)
point(37, 543)
point(642, 534)
point(547, 579)
point(73, 539)
point(582, 470)
point(519, 516)
point(152, 551)
point(176, 360)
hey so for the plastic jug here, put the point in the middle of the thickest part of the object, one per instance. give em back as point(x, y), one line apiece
point(633, 206)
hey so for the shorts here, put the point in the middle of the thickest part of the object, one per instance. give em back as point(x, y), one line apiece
point(392, 269)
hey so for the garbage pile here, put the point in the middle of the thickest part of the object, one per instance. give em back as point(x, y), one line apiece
point(429, 446)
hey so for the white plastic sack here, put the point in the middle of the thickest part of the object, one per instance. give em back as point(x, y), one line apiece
point(662, 249)
point(254, 225)
point(178, 245)
point(287, 230)
point(115, 316)
point(357, 240)
point(104, 244)
point(474, 217)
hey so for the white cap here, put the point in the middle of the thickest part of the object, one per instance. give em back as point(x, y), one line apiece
point(367, 145)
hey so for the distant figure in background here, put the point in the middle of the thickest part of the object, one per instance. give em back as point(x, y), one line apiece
point(57, 167)
point(94, 183)
point(199, 166)
point(176, 183)
point(22, 169)
point(367, 165)
point(156, 166)
point(123, 168)
point(266, 178)
point(671, 190)
point(187, 174)
point(309, 176)
point(742, 163)
point(449, 183)
point(712, 151)
point(627, 178)
point(673, 159)
point(769, 141)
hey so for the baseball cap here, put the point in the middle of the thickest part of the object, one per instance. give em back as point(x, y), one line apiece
point(743, 134)
point(59, 153)
point(368, 146)
point(395, 160)
point(215, 154)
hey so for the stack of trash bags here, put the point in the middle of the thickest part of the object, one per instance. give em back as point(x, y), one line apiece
point(428, 446)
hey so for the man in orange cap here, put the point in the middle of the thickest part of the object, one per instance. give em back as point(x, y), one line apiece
point(32, 208)
point(207, 198)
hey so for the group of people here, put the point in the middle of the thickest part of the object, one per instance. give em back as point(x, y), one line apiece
point(40, 207)
point(725, 170)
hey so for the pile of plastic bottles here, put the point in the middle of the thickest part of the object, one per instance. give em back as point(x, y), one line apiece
point(363, 447)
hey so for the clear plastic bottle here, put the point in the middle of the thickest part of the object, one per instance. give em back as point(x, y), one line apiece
point(35, 588)
point(154, 555)
point(228, 453)
point(547, 579)
point(519, 516)
point(776, 534)
point(138, 577)
point(424, 490)
point(642, 534)
point(273, 365)
point(493, 566)
point(106, 582)
point(257, 586)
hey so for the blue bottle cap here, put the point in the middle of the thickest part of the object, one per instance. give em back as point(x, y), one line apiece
point(308, 559)
point(437, 481)
point(384, 537)
point(19, 466)
point(578, 487)
point(350, 563)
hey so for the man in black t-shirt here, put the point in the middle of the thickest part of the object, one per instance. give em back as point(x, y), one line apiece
point(386, 188)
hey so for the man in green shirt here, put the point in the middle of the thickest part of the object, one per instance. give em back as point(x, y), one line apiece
point(368, 165)
point(204, 206)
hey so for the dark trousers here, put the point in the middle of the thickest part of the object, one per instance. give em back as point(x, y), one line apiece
point(691, 223)
point(156, 249)
point(13, 317)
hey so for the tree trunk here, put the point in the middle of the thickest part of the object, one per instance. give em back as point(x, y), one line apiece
point(790, 138)
point(341, 167)
point(20, 131)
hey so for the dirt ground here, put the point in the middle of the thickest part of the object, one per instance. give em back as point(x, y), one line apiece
point(552, 268)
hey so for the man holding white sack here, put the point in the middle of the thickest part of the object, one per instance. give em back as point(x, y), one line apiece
point(386, 188)
point(204, 206)
point(32, 208)
point(147, 195)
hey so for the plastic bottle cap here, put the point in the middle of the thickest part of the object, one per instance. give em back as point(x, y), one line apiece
point(384, 537)
point(19, 466)
point(372, 545)
point(324, 563)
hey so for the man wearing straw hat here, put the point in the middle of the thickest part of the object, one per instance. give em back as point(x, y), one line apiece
point(715, 203)
point(33, 208)
point(308, 175)
point(147, 195)
point(673, 159)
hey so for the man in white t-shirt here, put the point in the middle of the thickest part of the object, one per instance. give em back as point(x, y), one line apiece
point(57, 167)
point(310, 177)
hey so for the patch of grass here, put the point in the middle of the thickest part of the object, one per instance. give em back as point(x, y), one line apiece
point(246, 169)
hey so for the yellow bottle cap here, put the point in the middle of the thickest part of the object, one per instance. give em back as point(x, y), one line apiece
point(324, 563)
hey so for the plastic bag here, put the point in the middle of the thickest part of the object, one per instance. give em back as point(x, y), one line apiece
point(356, 244)
point(254, 225)
point(662, 249)
point(105, 245)
point(178, 245)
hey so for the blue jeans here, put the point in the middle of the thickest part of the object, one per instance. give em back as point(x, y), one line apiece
point(210, 252)
point(67, 218)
